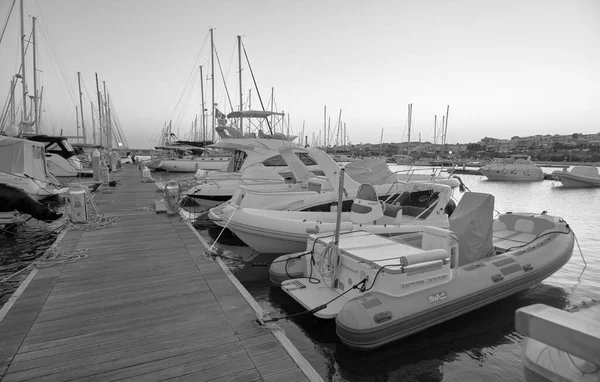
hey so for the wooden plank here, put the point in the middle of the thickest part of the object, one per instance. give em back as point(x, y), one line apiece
point(146, 303)
point(565, 331)
point(160, 206)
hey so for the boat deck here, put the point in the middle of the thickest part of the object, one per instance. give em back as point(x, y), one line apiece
point(142, 302)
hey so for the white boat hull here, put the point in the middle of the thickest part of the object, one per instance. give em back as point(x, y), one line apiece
point(519, 176)
point(578, 177)
point(37, 188)
point(61, 167)
point(193, 165)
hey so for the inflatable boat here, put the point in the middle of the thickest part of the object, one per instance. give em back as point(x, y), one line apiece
point(382, 288)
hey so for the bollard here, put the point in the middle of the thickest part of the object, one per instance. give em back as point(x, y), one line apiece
point(172, 194)
point(146, 177)
point(77, 203)
point(104, 174)
point(114, 158)
point(96, 165)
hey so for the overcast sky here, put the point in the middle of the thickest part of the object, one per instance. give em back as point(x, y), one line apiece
point(511, 67)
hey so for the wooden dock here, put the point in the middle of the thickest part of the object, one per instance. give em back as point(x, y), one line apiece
point(145, 304)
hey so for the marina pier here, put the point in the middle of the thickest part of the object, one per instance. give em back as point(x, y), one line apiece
point(140, 301)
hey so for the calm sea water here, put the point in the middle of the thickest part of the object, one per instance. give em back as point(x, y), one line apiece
point(478, 346)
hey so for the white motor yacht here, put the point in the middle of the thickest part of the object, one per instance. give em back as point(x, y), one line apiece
point(515, 168)
point(60, 156)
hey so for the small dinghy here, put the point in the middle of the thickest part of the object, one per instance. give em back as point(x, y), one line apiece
point(572, 332)
point(380, 289)
point(579, 176)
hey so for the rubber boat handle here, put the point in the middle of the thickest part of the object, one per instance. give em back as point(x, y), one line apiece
point(527, 267)
point(497, 277)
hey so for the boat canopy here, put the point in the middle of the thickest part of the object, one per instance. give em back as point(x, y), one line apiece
point(21, 156)
point(373, 171)
point(253, 114)
point(472, 221)
point(54, 144)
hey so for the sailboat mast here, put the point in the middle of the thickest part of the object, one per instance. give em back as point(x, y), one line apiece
point(239, 38)
point(81, 106)
point(409, 121)
point(93, 123)
point(202, 127)
point(13, 116)
point(212, 81)
point(446, 126)
point(99, 111)
point(35, 92)
point(77, 120)
point(434, 129)
point(325, 126)
point(23, 76)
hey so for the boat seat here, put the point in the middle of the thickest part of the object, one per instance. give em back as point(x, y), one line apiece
point(412, 210)
point(392, 210)
point(519, 223)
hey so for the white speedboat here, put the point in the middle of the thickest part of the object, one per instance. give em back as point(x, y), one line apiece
point(274, 231)
point(317, 193)
point(574, 331)
point(380, 289)
point(23, 165)
point(61, 158)
point(579, 176)
point(517, 168)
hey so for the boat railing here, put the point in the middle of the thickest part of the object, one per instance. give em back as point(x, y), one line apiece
point(575, 335)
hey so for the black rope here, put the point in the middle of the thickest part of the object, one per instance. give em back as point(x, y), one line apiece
point(358, 285)
point(542, 235)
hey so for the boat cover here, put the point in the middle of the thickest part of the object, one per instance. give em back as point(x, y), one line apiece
point(372, 171)
point(472, 221)
point(21, 156)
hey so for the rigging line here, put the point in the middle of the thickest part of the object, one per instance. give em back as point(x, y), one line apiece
point(53, 51)
point(256, 87)
point(7, 19)
point(224, 83)
point(50, 47)
point(187, 94)
point(172, 108)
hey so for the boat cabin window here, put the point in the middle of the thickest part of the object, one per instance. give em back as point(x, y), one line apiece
point(237, 160)
point(274, 161)
point(278, 160)
point(306, 159)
